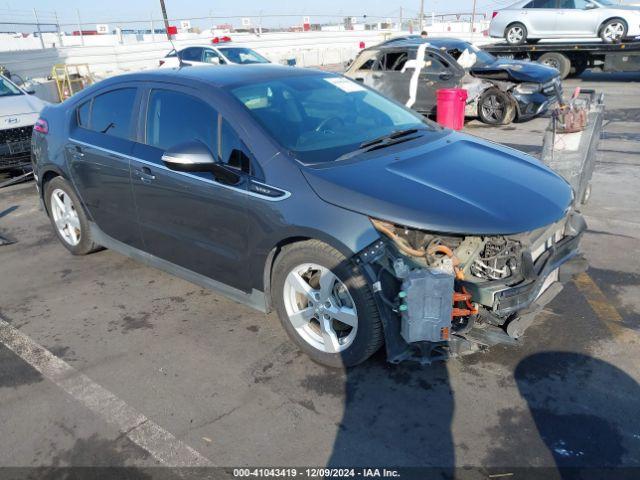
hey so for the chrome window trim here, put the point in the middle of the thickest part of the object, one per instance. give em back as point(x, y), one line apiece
point(213, 182)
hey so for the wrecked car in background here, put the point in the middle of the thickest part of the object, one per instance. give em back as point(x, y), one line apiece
point(499, 91)
point(358, 220)
point(18, 113)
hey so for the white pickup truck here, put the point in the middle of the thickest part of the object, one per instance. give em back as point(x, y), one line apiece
point(19, 110)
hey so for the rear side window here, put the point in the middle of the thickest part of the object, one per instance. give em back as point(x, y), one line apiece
point(111, 112)
point(83, 114)
point(541, 4)
point(174, 118)
point(193, 54)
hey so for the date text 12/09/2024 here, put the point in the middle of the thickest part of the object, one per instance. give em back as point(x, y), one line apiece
point(316, 472)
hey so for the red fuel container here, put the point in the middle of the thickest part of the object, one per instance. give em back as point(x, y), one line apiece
point(450, 107)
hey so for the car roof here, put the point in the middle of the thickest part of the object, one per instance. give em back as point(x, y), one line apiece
point(218, 76)
point(214, 45)
point(416, 40)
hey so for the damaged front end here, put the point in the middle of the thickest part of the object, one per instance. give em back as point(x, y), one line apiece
point(443, 295)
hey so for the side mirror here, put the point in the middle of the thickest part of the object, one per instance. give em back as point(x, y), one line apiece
point(213, 60)
point(195, 156)
point(31, 91)
point(590, 6)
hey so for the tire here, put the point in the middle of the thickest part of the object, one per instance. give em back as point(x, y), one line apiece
point(71, 226)
point(558, 61)
point(515, 34)
point(496, 107)
point(613, 31)
point(348, 345)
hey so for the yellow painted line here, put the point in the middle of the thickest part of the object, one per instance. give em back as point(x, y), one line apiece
point(603, 308)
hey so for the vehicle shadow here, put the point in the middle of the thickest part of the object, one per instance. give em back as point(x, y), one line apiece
point(396, 415)
point(583, 409)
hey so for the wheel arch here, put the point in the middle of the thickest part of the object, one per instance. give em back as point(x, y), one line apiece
point(282, 245)
point(519, 22)
point(603, 22)
point(48, 174)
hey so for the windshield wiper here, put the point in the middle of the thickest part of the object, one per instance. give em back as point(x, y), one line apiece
point(389, 136)
point(369, 146)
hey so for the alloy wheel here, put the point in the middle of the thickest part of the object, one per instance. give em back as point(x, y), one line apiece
point(493, 108)
point(65, 217)
point(515, 35)
point(320, 308)
point(613, 31)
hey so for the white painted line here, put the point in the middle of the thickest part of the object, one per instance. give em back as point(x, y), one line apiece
point(160, 444)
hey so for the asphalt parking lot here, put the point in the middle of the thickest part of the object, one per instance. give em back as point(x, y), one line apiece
point(147, 369)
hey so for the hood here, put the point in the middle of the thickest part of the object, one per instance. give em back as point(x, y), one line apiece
point(457, 184)
point(14, 105)
point(515, 71)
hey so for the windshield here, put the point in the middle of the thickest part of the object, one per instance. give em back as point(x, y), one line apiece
point(320, 118)
point(8, 89)
point(243, 56)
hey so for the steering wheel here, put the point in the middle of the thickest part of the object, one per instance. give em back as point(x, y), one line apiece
point(326, 121)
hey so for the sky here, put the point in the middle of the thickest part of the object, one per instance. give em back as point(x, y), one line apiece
point(112, 11)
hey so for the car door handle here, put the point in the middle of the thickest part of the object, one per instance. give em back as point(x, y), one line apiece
point(76, 152)
point(145, 175)
point(360, 79)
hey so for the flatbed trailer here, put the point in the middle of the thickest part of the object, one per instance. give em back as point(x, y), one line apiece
point(573, 58)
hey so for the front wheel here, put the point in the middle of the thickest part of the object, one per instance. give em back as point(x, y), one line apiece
point(515, 34)
point(613, 31)
point(325, 304)
point(496, 107)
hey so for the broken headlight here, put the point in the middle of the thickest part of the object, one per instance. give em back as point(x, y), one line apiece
point(528, 88)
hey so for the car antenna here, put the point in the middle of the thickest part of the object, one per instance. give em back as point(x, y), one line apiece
point(180, 62)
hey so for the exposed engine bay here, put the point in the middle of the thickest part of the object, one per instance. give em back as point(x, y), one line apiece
point(457, 294)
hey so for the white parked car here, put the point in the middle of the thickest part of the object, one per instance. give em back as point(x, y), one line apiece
point(531, 20)
point(19, 111)
point(213, 55)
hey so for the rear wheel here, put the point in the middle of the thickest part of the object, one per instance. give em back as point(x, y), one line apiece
point(325, 304)
point(515, 34)
point(558, 61)
point(496, 107)
point(67, 217)
point(613, 31)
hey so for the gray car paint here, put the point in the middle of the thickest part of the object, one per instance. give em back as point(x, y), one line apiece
point(229, 234)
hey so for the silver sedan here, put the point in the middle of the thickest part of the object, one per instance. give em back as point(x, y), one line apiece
point(531, 20)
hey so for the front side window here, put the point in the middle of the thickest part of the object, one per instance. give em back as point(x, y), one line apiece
point(434, 64)
point(111, 112)
point(7, 88)
point(233, 152)
point(211, 56)
point(243, 56)
point(174, 118)
point(319, 118)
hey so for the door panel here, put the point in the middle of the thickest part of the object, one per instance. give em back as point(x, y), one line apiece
point(574, 19)
point(190, 219)
point(99, 168)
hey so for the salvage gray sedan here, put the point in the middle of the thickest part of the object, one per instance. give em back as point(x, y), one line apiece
point(358, 221)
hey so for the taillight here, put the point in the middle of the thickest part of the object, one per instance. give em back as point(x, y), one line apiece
point(161, 62)
point(41, 126)
point(494, 15)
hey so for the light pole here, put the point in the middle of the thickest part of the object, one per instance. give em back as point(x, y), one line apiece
point(164, 16)
point(421, 15)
